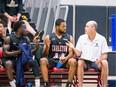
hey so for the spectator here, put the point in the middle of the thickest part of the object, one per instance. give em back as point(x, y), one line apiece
point(55, 50)
point(3, 27)
point(4, 22)
point(12, 10)
point(93, 49)
point(29, 29)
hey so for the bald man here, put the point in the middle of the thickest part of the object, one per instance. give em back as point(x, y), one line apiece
point(92, 49)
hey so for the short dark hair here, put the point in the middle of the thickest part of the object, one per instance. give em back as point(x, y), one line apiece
point(3, 19)
point(3, 23)
point(58, 21)
point(17, 24)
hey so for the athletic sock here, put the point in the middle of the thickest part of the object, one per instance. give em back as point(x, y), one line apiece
point(12, 83)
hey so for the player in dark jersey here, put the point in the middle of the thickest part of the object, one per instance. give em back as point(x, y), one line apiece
point(11, 51)
point(55, 50)
point(3, 28)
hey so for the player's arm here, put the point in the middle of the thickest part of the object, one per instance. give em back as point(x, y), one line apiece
point(46, 48)
point(36, 43)
point(6, 48)
point(70, 50)
point(70, 44)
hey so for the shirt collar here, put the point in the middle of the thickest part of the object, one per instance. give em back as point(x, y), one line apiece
point(96, 37)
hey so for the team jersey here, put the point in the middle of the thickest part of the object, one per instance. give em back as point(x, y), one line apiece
point(58, 47)
point(2, 40)
point(14, 42)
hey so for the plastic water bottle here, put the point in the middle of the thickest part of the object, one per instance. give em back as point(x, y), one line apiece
point(29, 84)
point(59, 64)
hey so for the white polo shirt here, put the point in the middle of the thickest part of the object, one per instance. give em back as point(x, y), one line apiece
point(92, 50)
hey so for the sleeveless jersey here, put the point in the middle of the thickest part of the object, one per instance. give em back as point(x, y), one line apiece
point(14, 42)
point(58, 47)
point(2, 40)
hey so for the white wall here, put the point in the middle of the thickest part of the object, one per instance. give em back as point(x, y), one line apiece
point(90, 2)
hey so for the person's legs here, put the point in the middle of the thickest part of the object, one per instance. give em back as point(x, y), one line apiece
point(29, 28)
point(104, 72)
point(80, 71)
point(36, 71)
point(8, 68)
point(44, 71)
point(37, 35)
point(71, 64)
point(9, 26)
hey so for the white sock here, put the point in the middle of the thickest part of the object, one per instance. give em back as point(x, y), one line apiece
point(37, 82)
point(12, 83)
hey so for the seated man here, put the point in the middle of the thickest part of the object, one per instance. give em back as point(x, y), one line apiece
point(93, 50)
point(55, 50)
point(3, 28)
point(12, 51)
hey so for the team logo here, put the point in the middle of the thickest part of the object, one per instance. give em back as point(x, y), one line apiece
point(96, 45)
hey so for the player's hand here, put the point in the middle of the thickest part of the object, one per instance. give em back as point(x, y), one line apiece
point(98, 61)
point(70, 44)
point(47, 41)
point(63, 59)
point(36, 42)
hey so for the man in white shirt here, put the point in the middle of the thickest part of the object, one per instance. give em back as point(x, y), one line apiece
point(93, 49)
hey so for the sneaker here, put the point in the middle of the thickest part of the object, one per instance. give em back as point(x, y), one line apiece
point(46, 84)
point(68, 84)
point(24, 17)
point(39, 34)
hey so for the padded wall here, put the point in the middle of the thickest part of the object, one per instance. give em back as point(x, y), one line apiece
point(86, 13)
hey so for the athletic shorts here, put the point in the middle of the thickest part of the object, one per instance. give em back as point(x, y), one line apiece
point(11, 59)
point(53, 63)
point(14, 61)
point(91, 65)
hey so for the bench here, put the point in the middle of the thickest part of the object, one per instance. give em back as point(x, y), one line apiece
point(90, 77)
point(58, 76)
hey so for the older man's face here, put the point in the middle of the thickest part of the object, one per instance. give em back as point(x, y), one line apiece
point(89, 28)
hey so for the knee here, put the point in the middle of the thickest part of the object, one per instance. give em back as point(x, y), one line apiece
point(33, 62)
point(104, 63)
point(43, 61)
point(72, 62)
point(80, 63)
point(8, 64)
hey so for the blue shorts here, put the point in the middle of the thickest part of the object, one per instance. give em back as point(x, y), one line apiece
point(91, 65)
point(53, 63)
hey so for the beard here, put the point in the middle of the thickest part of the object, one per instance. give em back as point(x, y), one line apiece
point(62, 32)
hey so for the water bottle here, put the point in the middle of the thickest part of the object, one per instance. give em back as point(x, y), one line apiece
point(29, 84)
